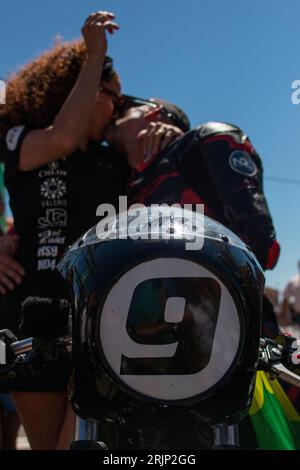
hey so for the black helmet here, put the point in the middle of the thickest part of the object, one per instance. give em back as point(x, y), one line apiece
point(160, 323)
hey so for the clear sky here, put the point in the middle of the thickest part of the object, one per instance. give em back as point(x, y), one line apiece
point(232, 60)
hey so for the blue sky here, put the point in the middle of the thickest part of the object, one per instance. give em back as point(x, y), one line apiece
point(233, 61)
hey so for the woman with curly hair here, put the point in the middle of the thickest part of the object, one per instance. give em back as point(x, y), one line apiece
point(57, 174)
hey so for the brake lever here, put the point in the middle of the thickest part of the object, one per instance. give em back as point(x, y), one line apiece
point(7, 338)
point(281, 360)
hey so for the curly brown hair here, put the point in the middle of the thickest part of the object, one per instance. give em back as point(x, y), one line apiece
point(36, 93)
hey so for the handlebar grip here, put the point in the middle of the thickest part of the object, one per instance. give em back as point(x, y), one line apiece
point(44, 317)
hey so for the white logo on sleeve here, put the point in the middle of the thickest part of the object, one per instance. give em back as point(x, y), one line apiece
point(113, 324)
point(12, 137)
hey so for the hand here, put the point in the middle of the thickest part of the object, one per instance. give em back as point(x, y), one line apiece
point(9, 244)
point(11, 273)
point(94, 31)
point(157, 136)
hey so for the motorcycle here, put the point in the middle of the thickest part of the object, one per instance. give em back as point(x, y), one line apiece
point(165, 341)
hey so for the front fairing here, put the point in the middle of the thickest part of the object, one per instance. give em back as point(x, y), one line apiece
point(94, 268)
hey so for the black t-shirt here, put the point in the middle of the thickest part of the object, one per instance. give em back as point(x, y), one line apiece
point(55, 204)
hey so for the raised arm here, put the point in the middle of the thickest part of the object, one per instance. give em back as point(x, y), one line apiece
point(70, 125)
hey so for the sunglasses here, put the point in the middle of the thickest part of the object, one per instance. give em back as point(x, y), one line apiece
point(124, 102)
point(133, 101)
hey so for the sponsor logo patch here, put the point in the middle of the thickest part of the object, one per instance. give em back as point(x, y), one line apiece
point(242, 163)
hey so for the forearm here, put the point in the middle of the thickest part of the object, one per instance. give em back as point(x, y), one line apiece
point(73, 119)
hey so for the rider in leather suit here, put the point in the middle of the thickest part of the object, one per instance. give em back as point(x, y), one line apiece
point(216, 165)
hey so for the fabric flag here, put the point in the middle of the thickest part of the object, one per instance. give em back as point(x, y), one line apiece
point(275, 420)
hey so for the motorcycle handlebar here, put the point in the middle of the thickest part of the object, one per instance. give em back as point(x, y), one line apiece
point(276, 359)
point(21, 347)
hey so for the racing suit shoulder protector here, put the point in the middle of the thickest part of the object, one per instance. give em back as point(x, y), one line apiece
point(233, 169)
point(213, 127)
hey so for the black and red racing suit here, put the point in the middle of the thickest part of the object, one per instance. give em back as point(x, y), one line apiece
point(215, 165)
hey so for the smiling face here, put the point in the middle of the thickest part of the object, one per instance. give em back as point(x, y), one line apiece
point(104, 107)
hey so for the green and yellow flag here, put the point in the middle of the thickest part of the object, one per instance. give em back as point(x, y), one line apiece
point(274, 418)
